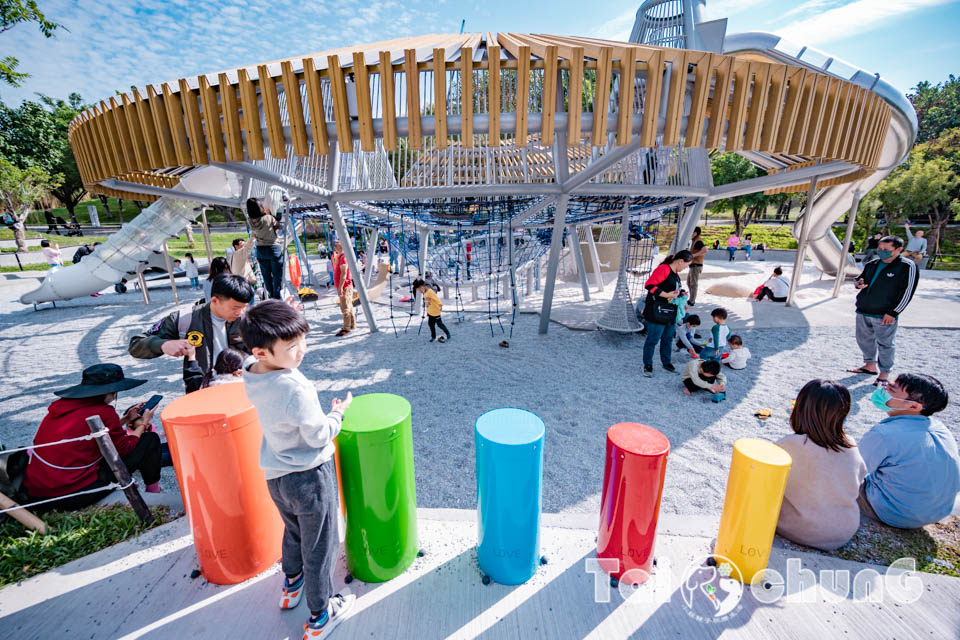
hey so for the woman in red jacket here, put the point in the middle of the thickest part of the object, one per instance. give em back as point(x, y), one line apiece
point(662, 287)
point(62, 469)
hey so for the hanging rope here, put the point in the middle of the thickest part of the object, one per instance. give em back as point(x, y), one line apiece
point(108, 488)
point(91, 436)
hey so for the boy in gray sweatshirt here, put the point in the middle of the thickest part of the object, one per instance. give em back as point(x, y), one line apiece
point(296, 457)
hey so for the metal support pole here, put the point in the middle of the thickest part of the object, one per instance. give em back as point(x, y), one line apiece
point(513, 267)
point(556, 245)
point(173, 279)
point(802, 243)
point(847, 237)
point(206, 235)
point(371, 255)
point(687, 224)
point(578, 257)
point(143, 284)
point(595, 258)
point(336, 213)
point(424, 240)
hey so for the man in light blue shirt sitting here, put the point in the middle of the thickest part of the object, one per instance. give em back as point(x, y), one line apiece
point(916, 245)
point(913, 469)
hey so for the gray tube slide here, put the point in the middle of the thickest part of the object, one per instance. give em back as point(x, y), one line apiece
point(139, 241)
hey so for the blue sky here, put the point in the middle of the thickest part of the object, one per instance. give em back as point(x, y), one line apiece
point(113, 44)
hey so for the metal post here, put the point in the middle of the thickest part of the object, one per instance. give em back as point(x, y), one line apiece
point(206, 235)
point(424, 240)
point(802, 243)
point(371, 255)
point(578, 257)
point(143, 284)
point(848, 236)
point(595, 257)
point(556, 242)
point(173, 279)
point(686, 226)
point(513, 267)
point(333, 180)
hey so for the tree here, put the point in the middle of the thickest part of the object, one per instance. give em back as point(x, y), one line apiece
point(19, 190)
point(12, 13)
point(732, 167)
point(938, 107)
point(35, 135)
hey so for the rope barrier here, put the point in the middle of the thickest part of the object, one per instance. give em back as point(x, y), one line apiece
point(98, 434)
point(107, 487)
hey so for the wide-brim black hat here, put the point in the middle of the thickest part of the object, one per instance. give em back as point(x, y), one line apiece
point(99, 380)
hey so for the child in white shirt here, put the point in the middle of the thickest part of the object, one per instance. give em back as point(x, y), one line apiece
point(739, 354)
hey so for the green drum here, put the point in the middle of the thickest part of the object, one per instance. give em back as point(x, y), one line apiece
point(375, 458)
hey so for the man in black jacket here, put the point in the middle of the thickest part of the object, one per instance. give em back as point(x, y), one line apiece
point(209, 328)
point(886, 287)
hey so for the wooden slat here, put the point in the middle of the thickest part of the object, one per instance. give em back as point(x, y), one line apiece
point(881, 137)
point(341, 108)
point(211, 119)
point(103, 145)
point(231, 119)
point(149, 130)
point(816, 115)
point(318, 116)
point(861, 150)
point(251, 115)
point(549, 107)
point(440, 97)
point(853, 117)
point(575, 97)
point(523, 94)
point(805, 111)
point(126, 143)
point(466, 97)
point(178, 129)
point(361, 78)
point(795, 82)
point(191, 109)
point(718, 108)
point(831, 105)
point(678, 88)
point(601, 97)
point(758, 104)
point(271, 111)
point(493, 82)
point(775, 107)
point(742, 76)
point(413, 98)
point(298, 125)
point(848, 93)
point(863, 124)
point(113, 138)
point(698, 102)
point(86, 130)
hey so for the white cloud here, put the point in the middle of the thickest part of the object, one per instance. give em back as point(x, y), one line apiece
point(716, 9)
point(850, 19)
point(617, 28)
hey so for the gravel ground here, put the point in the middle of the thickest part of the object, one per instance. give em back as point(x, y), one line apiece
point(578, 382)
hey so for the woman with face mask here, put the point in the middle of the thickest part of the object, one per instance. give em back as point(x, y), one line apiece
point(913, 468)
point(62, 469)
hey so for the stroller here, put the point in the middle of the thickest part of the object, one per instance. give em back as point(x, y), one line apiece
point(72, 228)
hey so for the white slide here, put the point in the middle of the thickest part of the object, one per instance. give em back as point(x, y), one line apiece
point(139, 241)
point(832, 203)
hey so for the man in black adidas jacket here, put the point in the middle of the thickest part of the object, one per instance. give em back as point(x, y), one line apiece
point(886, 287)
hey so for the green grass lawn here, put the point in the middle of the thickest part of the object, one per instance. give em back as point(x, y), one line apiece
point(130, 211)
point(71, 535)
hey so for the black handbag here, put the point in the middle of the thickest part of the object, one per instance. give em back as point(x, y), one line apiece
point(660, 312)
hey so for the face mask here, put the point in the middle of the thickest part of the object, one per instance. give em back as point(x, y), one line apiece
point(885, 254)
point(879, 398)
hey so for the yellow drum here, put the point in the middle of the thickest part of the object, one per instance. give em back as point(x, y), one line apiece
point(758, 477)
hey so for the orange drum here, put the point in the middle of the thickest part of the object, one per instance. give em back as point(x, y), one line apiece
point(214, 437)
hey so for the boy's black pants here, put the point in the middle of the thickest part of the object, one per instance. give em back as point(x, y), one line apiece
point(434, 322)
point(307, 501)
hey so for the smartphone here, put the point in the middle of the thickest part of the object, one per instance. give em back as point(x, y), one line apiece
point(151, 403)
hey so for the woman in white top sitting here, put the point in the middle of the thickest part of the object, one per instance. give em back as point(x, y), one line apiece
point(776, 288)
point(820, 502)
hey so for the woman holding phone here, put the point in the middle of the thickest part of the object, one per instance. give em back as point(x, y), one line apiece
point(71, 467)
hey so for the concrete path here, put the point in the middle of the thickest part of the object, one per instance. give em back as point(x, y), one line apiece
point(142, 589)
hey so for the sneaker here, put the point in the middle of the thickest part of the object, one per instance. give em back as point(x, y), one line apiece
point(670, 368)
point(292, 592)
point(647, 371)
point(433, 339)
point(342, 332)
point(338, 609)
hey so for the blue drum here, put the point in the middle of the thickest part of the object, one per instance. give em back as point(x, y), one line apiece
point(509, 487)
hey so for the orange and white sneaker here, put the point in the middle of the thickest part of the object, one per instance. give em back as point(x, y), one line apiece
point(338, 609)
point(292, 592)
